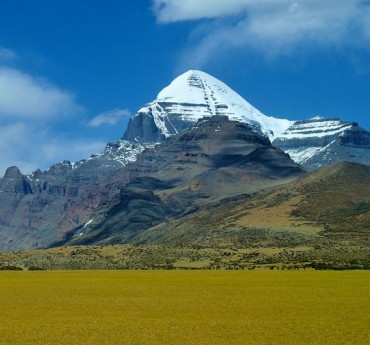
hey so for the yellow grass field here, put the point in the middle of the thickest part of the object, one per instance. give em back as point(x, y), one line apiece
point(185, 307)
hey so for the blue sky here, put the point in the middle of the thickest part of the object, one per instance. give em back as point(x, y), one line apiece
point(73, 71)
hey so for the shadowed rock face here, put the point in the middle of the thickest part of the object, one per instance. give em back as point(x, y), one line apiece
point(15, 182)
point(143, 128)
point(357, 137)
point(213, 143)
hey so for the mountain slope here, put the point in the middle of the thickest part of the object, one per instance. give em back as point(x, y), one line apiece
point(214, 145)
point(328, 207)
point(190, 97)
point(131, 187)
point(213, 159)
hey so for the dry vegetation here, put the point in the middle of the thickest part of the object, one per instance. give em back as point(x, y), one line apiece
point(260, 254)
point(328, 208)
point(173, 307)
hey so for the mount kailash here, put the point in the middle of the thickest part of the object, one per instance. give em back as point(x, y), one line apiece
point(199, 140)
point(193, 95)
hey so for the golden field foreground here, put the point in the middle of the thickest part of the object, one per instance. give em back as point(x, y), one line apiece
point(184, 307)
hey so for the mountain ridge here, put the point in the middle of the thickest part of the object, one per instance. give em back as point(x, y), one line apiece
point(312, 143)
point(308, 211)
point(213, 159)
point(196, 94)
point(209, 150)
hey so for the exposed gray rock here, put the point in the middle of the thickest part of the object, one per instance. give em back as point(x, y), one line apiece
point(15, 182)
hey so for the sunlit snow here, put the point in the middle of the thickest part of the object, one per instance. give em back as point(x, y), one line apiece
point(195, 94)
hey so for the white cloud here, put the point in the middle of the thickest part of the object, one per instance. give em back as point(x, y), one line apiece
point(177, 10)
point(60, 149)
point(30, 146)
point(111, 117)
point(32, 113)
point(21, 145)
point(271, 27)
point(23, 96)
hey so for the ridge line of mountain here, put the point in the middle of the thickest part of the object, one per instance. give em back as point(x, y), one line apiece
point(199, 141)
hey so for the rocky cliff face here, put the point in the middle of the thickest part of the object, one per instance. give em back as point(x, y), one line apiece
point(39, 209)
point(317, 142)
point(14, 182)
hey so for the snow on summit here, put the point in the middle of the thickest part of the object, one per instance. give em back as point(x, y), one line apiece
point(195, 94)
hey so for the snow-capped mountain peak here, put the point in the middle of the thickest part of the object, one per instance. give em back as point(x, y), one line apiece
point(317, 118)
point(319, 141)
point(190, 97)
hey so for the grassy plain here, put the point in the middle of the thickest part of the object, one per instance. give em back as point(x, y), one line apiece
point(185, 307)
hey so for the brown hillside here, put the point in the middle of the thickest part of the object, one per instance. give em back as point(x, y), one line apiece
point(331, 203)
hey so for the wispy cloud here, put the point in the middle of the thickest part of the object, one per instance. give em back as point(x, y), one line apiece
point(13, 143)
point(28, 97)
point(111, 117)
point(271, 27)
point(30, 146)
point(32, 113)
point(176, 10)
point(60, 148)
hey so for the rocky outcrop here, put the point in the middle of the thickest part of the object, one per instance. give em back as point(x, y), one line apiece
point(39, 209)
point(355, 137)
point(142, 128)
point(14, 182)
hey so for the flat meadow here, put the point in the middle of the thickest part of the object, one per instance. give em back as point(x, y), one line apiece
point(185, 307)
